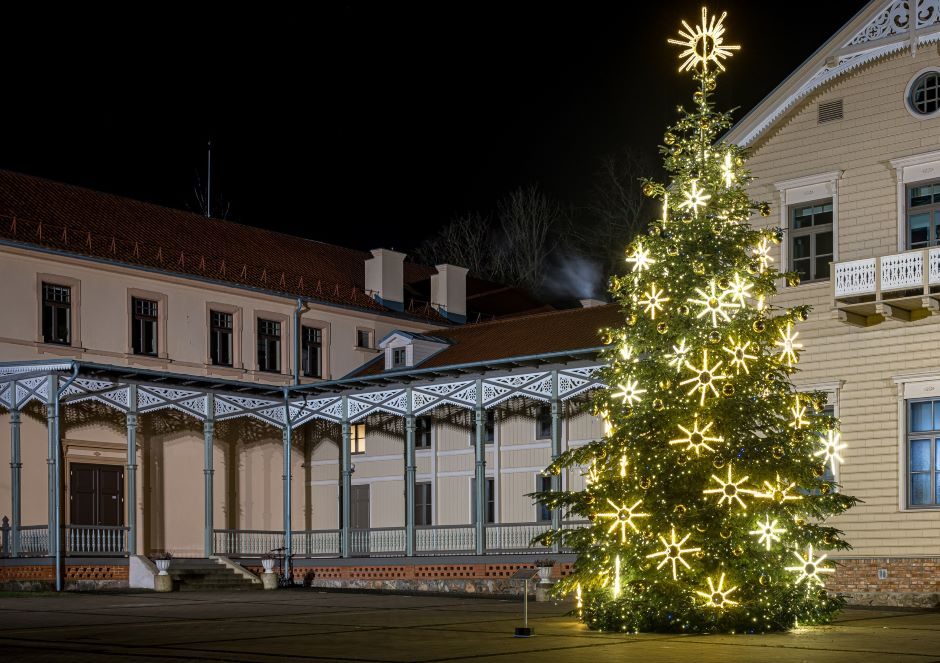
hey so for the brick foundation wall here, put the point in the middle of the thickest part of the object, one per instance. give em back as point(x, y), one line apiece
point(911, 581)
point(412, 572)
point(34, 576)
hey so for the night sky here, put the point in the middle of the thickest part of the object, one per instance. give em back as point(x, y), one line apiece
point(369, 125)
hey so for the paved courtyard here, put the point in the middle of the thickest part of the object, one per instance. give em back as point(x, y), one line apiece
point(309, 625)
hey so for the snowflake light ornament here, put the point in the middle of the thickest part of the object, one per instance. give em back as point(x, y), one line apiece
point(778, 492)
point(654, 301)
point(762, 254)
point(705, 377)
point(717, 596)
point(730, 490)
point(739, 355)
point(623, 516)
point(727, 169)
point(788, 345)
point(673, 551)
point(640, 258)
point(713, 303)
point(630, 392)
point(694, 198)
point(677, 356)
point(739, 290)
point(830, 451)
point(799, 414)
point(704, 43)
point(809, 567)
point(696, 439)
point(767, 532)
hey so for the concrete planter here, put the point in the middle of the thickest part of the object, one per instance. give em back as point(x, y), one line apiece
point(545, 575)
point(163, 565)
point(268, 565)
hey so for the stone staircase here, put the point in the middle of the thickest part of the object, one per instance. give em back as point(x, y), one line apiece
point(208, 575)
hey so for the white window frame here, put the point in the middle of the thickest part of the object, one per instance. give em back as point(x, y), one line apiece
point(355, 438)
point(911, 387)
point(911, 170)
point(907, 94)
point(803, 190)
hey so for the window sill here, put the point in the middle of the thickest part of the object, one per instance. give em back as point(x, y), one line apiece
point(147, 360)
point(59, 349)
point(224, 371)
point(802, 284)
point(263, 376)
point(359, 348)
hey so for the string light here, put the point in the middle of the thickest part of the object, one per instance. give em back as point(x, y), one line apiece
point(665, 208)
point(717, 596)
point(623, 466)
point(705, 377)
point(728, 170)
point(623, 516)
point(730, 490)
point(788, 345)
point(809, 568)
point(767, 532)
point(694, 198)
point(739, 355)
point(654, 301)
point(630, 392)
point(703, 44)
point(673, 551)
point(830, 451)
point(696, 439)
point(617, 577)
point(713, 303)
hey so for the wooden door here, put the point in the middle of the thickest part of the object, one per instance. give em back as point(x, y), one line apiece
point(96, 494)
point(359, 511)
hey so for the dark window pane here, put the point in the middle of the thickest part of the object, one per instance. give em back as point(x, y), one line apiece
point(824, 243)
point(921, 418)
point(802, 217)
point(919, 230)
point(544, 485)
point(921, 195)
point(822, 267)
point(801, 267)
point(920, 488)
point(543, 423)
point(920, 455)
point(801, 247)
point(823, 217)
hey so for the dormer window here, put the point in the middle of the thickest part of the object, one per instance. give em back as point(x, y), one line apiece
point(408, 349)
point(399, 357)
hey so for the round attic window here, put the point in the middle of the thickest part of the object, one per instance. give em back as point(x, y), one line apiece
point(923, 96)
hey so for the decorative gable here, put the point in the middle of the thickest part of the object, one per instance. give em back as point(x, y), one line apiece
point(406, 350)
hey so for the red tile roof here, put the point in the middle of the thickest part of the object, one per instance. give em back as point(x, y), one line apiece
point(36, 211)
point(542, 333)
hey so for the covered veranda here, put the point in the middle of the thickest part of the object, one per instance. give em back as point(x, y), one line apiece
point(130, 393)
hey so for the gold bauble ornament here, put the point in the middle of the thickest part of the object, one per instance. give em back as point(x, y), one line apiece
point(698, 268)
point(684, 309)
point(820, 469)
point(724, 283)
point(672, 250)
point(645, 483)
point(738, 161)
point(704, 122)
point(764, 209)
point(698, 96)
point(627, 411)
point(793, 279)
point(763, 579)
point(719, 462)
point(802, 315)
point(737, 551)
point(820, 404)
point(725, 534)
point(727, 389)
point(714, 337)
point(830, 539)
point(759, 326)
point(649, 189)
point(710, 84)
point(662, 327)
point(777, 452)
point(679, 508)
point(700, 527)
point(631, 319)
point(825, 489)
point(753, 267)
point(699, 554)
point(822, 594)
point(665, 385)
point(658, 404)
point(669, 138)
point(655, 230)
point(799, 522)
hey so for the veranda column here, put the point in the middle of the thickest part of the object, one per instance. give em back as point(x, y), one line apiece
point(556, 452)
point(288, 533)
point(410, 469)
point(208, 473)
point(52, 428)
point(480, 452)
point(132, 470)
point(16, 467)
point(346, 489)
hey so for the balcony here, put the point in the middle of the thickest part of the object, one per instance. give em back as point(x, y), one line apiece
point(904, 286)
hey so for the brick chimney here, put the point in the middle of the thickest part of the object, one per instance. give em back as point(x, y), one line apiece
point(385, 278)
point(449, 292)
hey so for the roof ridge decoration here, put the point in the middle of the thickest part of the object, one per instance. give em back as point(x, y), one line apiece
point(889, 31)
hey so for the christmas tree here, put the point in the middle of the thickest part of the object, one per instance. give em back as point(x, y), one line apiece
point(707, 496)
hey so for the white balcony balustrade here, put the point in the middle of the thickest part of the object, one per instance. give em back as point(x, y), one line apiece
point(903, 286)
